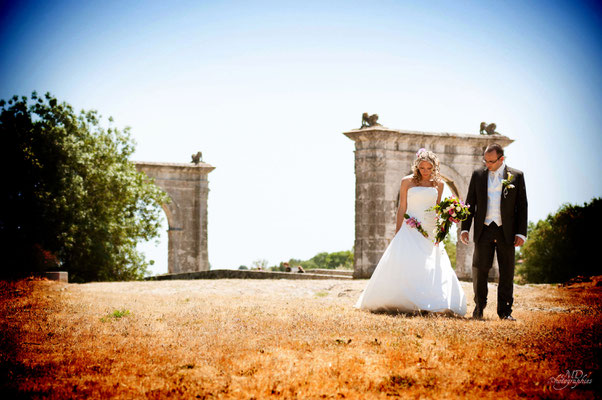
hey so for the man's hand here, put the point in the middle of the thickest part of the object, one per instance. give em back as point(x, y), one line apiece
point(464, 237)
point(518, 241)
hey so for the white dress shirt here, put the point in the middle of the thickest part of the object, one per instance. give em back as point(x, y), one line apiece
point(494, 196)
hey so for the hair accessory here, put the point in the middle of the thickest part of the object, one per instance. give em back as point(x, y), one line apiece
point(422, 150)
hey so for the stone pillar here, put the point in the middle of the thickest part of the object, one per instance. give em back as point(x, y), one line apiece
point(383, 157)
point(188, 189)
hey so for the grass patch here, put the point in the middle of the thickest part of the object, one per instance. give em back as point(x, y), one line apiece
point(116, 314)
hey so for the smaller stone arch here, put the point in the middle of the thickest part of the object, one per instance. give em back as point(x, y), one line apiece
point(188, 188)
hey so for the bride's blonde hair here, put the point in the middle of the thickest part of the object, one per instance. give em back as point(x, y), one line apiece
point(431, 158)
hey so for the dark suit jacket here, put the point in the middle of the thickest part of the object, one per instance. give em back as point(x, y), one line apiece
point(513, 205)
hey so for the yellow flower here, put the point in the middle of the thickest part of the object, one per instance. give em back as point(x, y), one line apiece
point(507, 183)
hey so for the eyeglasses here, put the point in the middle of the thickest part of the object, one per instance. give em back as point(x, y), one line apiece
point(491, 162)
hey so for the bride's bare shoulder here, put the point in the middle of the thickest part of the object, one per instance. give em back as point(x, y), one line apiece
point(407, 179)
point(406, 182)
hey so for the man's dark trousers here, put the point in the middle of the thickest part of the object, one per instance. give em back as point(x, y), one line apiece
point(492, 241)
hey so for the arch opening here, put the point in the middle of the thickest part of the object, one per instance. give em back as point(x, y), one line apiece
point(156, 250)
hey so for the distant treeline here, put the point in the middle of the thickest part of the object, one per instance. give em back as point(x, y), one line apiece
point(336, 260)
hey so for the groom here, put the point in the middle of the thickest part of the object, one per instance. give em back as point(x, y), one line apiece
point(498, 200)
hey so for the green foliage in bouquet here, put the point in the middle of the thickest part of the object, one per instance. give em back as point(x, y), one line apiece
point(449, 210)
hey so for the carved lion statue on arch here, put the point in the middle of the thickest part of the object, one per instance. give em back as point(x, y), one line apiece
point(197, 158)
point(369, 120)
point(488, 129)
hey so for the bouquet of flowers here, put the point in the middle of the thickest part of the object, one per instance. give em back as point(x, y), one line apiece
point(449, 210)
point(414, 223)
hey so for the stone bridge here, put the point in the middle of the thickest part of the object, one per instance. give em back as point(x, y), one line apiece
point(382, 157)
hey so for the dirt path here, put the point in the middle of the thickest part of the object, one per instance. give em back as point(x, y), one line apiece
point(289, 339)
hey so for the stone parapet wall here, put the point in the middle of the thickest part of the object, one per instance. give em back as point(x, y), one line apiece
point(244, 274)
point(336, 272)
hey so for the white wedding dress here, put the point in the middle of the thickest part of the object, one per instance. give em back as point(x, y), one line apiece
point(413, 274)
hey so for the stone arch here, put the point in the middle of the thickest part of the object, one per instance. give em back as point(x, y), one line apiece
point(382, 157)
point(454, 180)
point(187, 187)
point(170, 209)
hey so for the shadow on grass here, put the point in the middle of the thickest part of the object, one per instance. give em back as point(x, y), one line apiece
point(419, 314)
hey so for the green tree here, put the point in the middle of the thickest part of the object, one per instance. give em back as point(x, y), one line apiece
point(561, 246)
point(72, 199)
point(339, 259)
point(260, 263)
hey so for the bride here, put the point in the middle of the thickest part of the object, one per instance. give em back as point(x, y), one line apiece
point(413, 274)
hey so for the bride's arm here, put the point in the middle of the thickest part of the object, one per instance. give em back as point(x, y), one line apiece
point(403, 203)
point(440, 191)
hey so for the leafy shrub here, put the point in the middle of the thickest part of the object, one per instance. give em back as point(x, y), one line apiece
point(562, 246)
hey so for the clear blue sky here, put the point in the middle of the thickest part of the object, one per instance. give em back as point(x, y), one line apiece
point(265, 90)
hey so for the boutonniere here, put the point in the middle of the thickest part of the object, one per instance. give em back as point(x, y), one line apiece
point(507, 183)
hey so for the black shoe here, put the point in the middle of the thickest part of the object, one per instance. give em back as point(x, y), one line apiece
point(477, 313)
point(508, 318)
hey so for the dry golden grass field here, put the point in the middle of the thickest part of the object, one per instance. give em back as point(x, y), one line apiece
point(289, 339)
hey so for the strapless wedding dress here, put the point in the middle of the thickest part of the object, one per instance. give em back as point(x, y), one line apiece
point(413, 274)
